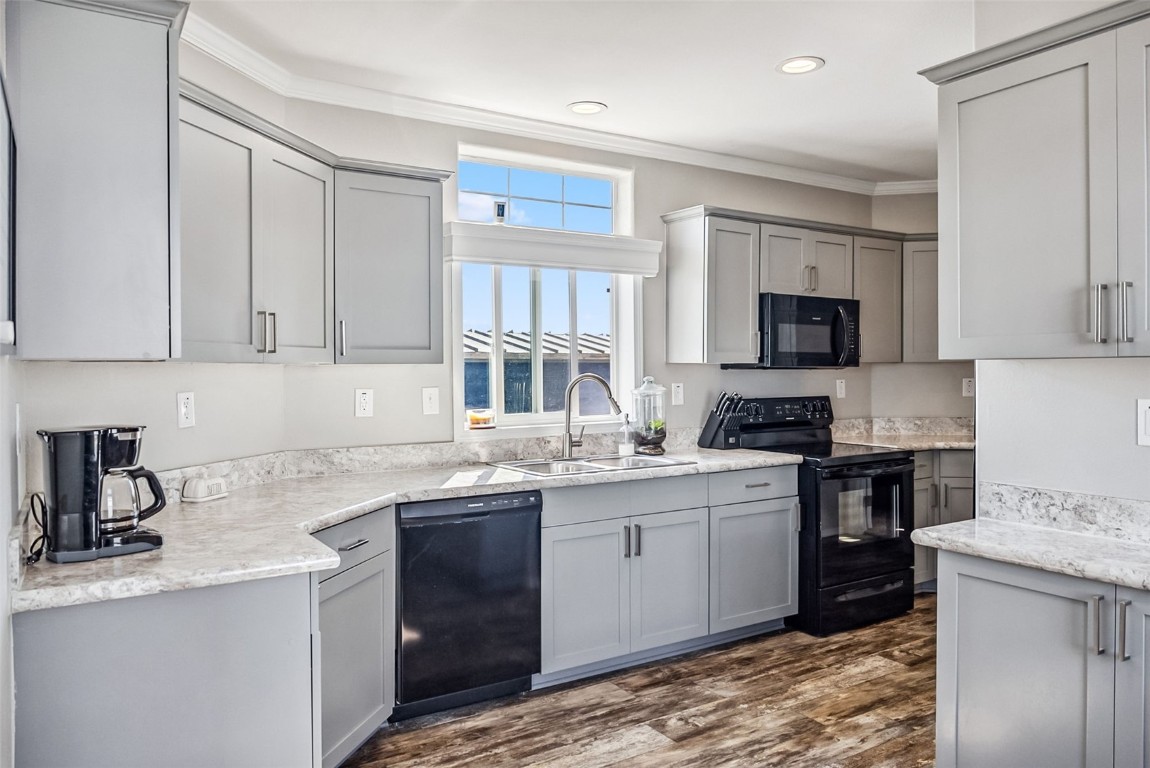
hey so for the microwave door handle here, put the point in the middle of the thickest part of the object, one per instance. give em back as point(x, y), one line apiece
point(846, 349)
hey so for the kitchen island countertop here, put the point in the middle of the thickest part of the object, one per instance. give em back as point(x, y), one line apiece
point(264, 530)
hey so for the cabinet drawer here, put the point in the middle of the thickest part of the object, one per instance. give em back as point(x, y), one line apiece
point(752, 485)
point(955, 464)
point(376, 530)
point(667, 494)
point(923, 465)
point(585, 503)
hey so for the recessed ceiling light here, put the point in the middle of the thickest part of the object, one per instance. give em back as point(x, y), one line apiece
point(586, 107)
point(800, 65)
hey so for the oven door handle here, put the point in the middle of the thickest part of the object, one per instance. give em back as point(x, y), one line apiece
point(848, 473)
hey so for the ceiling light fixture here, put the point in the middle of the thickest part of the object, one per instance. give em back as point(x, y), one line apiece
point(587, 107)
point(800, 65)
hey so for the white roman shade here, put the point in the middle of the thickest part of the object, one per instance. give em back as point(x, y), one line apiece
point(547, 248)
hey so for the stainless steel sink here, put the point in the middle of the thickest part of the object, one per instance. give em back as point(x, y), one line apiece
point(581, 466)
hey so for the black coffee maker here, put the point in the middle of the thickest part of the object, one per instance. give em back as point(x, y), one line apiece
point(91, 497)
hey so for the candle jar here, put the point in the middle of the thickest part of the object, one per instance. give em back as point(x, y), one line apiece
point(650, 418)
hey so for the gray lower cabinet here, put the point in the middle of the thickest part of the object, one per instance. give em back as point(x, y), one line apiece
point(878, 287)
point(388, 268)
point(613, 587)
point(925, 512)
point(92, 89)
point(920, 302)
point(218, 676)
point(257, 239)
point(1032, 668)
point(956, 481)
point(357, 654)
point(754, 562)
point(943, 493)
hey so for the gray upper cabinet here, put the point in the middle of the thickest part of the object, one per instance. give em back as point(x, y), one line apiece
point(878, 287)
point(93, 109)
point(804, 261)
point(712, 290)
point(1133, 300)
point(1028, 186)
point(258, 245)
point(388, 269)
point(920, 302)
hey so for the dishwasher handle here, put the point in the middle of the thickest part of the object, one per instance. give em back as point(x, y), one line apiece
point(468, 508)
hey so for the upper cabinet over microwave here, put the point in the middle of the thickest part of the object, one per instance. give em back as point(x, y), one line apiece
point(1043, 161)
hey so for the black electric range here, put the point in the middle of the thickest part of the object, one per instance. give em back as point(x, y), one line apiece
point(856, 560)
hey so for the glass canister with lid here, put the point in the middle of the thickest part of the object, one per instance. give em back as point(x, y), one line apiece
point(650, 417)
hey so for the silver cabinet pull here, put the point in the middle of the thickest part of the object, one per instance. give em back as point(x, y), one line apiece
point(1123, 605)
point(803, 278)
point(1099, 290)
point(342, 338)
point(273, 342)
point(1124, 312)
point(262, 319)
point(638, 539)
point(626, 541)
point(798, 510)
point(934, 495)
point(356, 545)
point(1096, 601)
point(814, 278)
point(946, 495)
point(757, 485)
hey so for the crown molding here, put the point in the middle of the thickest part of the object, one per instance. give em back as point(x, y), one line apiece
point(927, 187)
point(226, 49)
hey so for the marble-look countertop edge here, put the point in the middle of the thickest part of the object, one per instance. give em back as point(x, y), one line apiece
point(288, 511)
point(911, 442)
point(1099, 558)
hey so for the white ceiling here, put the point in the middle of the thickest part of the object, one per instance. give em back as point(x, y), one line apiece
point(698, 74)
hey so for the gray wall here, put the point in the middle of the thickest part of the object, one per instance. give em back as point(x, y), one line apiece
point(1063, 424)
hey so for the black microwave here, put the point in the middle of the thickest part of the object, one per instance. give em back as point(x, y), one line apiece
point(806, 332)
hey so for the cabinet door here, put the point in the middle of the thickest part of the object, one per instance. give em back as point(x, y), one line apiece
point(93, 116)
point(754, 562)
point(878, 287)
point(388, 269)
point(586, 593)
point(732, 292)
point(782, 259)
point(1020, 681)
point(957, 499)
point(219, 227)
point(357, 630)
point(1133, 177)
point(831, 258)
point(1027, 206)
point(920, 302)
point(297, 196)
point(925, 515)
point(1131, 680)
point(668, 578)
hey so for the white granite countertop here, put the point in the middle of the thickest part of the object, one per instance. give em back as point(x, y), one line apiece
point(913, 442)
point(263, 530)
point(1101, 558)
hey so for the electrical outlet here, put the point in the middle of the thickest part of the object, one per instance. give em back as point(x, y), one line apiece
point(364, 403)
point(430, 401)
point(676, 394)
point(968, 387)
point(840, 388)
point(1144, 422)
point(185, 409)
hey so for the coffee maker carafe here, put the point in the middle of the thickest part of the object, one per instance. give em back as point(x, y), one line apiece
point(91, 497)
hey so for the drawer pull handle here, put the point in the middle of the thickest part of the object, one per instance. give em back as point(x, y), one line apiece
point(757, 485)
point(356, 545)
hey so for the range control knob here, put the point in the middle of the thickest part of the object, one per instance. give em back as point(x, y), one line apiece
point(808, 407)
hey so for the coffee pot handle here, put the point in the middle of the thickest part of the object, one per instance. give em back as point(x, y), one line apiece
point(159, 501)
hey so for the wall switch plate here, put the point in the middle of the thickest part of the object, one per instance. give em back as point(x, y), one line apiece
point(1144, 422)
point(430, 401)
point(676, 394)
point(364, 403)
point(185, 409)
point(968, 387)
point(840, 388)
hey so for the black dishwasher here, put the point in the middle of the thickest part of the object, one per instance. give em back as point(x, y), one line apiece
point(469, 614)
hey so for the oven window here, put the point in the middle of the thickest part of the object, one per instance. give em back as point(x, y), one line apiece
point(803, 338)
point(860, 510)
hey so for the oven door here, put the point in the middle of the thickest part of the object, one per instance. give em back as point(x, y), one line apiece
point(866, 516)
point(808, 331)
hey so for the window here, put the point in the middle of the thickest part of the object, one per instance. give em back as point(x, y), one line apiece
point(534, 309)
point(543, 199)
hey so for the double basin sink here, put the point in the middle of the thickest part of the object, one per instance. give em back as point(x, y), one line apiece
point(579, 466)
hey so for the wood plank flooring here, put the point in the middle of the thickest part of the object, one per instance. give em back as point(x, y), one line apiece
point(861, 699)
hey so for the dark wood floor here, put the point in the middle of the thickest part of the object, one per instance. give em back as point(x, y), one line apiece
point(862, 699)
